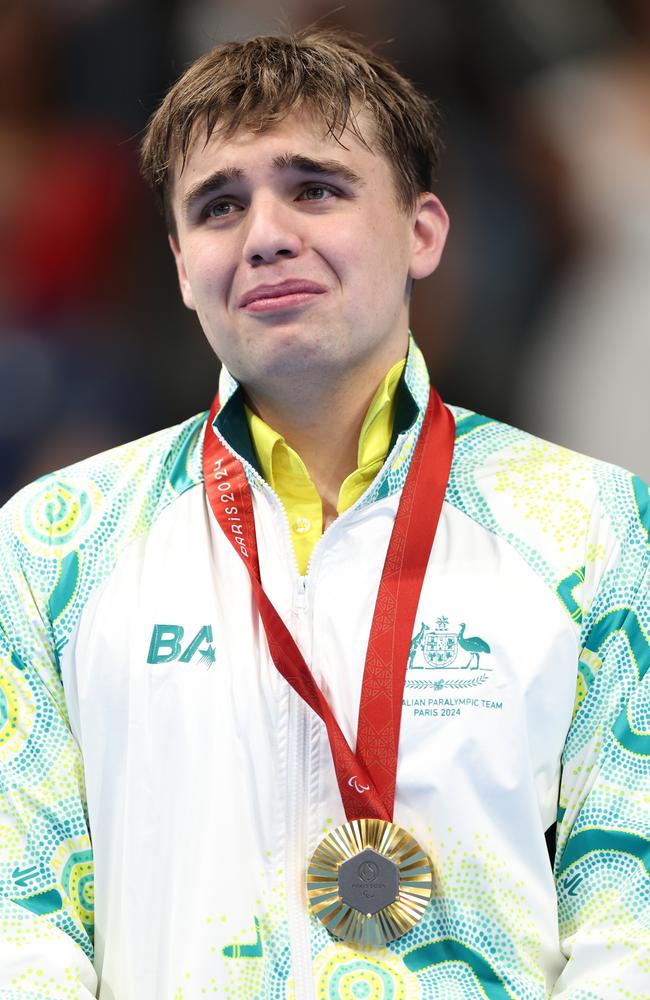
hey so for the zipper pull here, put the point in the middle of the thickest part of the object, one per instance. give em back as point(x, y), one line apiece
point(300, 594)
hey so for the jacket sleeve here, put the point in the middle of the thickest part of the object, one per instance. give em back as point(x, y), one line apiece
point(46, 869)
point(602, 865)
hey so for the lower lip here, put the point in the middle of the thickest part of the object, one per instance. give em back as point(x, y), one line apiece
point(280, 303)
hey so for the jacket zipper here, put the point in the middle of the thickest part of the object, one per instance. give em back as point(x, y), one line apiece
point(295, 863)
point(298, 804)
point(298, 745)
point(299, 756)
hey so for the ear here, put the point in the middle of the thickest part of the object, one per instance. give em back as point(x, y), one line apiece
point(430, 227)
point(183, 280)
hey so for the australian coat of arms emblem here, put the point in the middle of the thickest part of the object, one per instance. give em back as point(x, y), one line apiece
point(442, 649)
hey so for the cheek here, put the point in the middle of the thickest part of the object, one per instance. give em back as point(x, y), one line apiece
point(380, 263)
point(205, 282)
point(207, 272)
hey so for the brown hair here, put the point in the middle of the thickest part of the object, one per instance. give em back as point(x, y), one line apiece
point(255, 84)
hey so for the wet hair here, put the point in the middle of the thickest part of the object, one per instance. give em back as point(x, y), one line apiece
point(256, 84)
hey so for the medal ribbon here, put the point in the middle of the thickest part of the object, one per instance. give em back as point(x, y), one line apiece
point(366, 777)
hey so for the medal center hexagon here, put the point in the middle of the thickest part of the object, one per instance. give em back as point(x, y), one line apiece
point(368, 882)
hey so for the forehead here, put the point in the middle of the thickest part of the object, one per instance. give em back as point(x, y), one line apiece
point(299, 134)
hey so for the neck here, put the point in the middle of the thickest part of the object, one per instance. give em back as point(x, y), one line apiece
point(322, 424)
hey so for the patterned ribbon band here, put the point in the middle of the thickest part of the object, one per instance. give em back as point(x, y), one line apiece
point(366, 777)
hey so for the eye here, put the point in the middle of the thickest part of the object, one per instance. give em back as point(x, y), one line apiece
point(317, 192)
point(218, 209)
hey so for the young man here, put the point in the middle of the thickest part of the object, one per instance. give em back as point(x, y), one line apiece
point(369, 820)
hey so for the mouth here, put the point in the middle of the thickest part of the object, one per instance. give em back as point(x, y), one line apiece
point(282, 296)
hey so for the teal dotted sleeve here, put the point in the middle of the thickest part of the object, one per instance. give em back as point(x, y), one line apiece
point(602, 863)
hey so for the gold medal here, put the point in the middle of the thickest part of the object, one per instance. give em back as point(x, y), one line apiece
point(369, 881)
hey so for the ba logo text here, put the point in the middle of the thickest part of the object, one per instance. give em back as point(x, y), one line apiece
point(170, 642)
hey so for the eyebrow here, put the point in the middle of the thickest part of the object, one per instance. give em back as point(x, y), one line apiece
point(305, 165)
point(285, 162)
point(209, 185)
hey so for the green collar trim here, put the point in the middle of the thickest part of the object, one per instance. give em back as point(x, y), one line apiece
point(410, 401)
point(232, 424)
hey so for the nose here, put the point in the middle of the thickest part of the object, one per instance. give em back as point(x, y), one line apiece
point(271, 232)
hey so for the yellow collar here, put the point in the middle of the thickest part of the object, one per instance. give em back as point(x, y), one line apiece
point(287, 474)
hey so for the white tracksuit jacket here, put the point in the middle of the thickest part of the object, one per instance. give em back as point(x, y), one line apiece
point(162, 788)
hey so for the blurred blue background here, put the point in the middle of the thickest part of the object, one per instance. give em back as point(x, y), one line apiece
point(539, 314)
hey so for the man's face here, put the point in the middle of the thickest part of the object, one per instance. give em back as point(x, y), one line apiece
point(296, 255)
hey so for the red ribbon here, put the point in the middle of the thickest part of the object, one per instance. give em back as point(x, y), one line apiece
point(366, 778)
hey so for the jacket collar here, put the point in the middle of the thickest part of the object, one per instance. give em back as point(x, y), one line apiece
point(411, 400)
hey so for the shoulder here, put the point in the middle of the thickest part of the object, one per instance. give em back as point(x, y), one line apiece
point(146, 473)
point(569, 516)
point(61, 535)
point(513, 466)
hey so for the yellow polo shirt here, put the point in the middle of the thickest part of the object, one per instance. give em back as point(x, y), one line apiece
point(286, 472)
